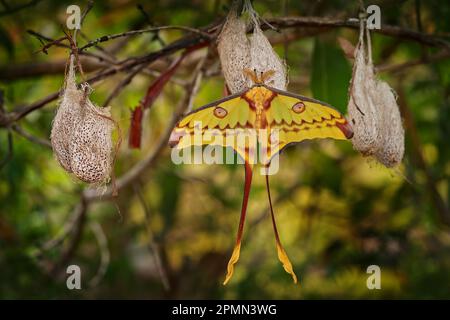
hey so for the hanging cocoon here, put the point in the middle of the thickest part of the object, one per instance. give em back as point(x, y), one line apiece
point(66, 118)
point(81, 133)
point(238, 52)
point(393, 135)
point(234, 51)
point(373, 110)
point(263, 57)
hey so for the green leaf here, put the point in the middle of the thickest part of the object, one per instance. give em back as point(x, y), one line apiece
point(330, 74)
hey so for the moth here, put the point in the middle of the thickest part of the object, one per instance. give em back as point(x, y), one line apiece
point(272, 117)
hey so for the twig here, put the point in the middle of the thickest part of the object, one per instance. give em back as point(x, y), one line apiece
point(78, 212)
point(104, 253)
point(153, 245)
point(107, 55)
point(38, 68)
point(86, 10)
point(77, 232)
point(30, 137)
point(203, 34)
point(324, 22)
point(444, 54)
point(9, 11)
point(74, 226)
point(122, 84)
point(188, 41)
point(55, 67)
point(196, 80)
point(124, 65)
point(58, 42)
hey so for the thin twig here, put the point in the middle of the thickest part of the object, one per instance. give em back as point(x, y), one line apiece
point(203, 34)
point(86, 10)
point(105, 256)
point(65, 230)
point(125, 65)
point(444, 54)
point(324, 22)
point(188, 41)
point(13, 10)
point(30, 137)
point(122, 84)
point(196, 80)
point(71, 248)
point(153, 245)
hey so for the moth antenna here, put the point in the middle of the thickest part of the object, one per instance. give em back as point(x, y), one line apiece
point(252, 75)
point(266, 75)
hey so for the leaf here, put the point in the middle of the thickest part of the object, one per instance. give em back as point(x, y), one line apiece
point(153, 91)
point(330, 74)
point(347, 47)
point(136, 128)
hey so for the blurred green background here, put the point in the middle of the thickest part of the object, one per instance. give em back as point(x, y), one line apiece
point(337, 212)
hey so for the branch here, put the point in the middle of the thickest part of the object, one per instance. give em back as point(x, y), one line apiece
point(69, 226)
point(9, 11)
point(105, 256)
point(188, 41)
point(124, 65)
point(444, 54)
point(203, 34)
point(153, 245)
point(30, 137)
point(325, 22)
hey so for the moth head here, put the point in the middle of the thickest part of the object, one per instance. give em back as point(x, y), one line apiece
point(258, 78)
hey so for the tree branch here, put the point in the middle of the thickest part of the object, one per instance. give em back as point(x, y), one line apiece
point(325, 22)
point(192, 40)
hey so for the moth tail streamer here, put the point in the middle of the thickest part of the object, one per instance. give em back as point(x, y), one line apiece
point(282, 255)
point(237, 248)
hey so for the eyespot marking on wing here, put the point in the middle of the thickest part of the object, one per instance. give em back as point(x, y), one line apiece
point(220, 112)
point(299, 107)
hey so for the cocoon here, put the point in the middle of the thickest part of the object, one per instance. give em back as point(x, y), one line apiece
point(373, 110)
point(234, 51)
point(393, 135)
point(81, 133)
point(363, 112)
point(238, 52)
point(67, 117)
point(264, 58)
point(91, 145)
